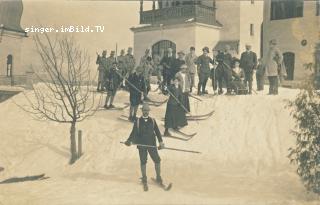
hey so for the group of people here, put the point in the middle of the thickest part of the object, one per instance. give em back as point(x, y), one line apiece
point(176, 78)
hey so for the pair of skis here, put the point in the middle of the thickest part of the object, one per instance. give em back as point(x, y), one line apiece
point(184, 136)
point(161, 185)
point(197, 117)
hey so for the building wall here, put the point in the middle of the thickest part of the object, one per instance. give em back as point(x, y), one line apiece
point(228, 14)
point(11, 45)
point(182, 35)
point(250, 14)
point(206, 36)
point(289, 34)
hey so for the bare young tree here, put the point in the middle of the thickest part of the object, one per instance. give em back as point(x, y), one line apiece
point(64, 94)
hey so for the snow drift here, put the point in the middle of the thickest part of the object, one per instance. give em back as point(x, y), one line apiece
point(244, 160)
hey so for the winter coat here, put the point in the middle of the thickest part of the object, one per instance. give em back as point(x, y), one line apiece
point(203, 63)
point(272, 61)
point(248, 61)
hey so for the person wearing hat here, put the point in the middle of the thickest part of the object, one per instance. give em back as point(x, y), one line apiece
point(203, 63)
point(190, 59)
point(175, 116)
point(113, 81)
point(145, 131)
point(167, 63)
point(248, 62)
point(272, 61)
point(136, 84)
point(110, 60)
point(177, 64)
point(130, 62)
point(122, 66)
point(102, 62)
point(184, 85)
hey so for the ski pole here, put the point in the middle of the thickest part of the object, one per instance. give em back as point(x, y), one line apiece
point(129, 82)
point(168, 148)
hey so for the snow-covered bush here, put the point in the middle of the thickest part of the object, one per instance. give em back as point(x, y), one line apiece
point(306, 152)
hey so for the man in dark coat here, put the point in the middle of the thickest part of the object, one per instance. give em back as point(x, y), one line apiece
point(248, 62)
point(203, 63)
point(136, 88)
point(167, 64)
point(144, 132)
point(177, 64)
point(112, 81)
point(223, 73)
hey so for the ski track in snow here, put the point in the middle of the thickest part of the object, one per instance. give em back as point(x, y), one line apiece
point(243, 161)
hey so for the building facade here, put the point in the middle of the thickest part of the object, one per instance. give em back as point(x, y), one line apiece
point(181, 24)
point(295, 26)
point(11, 37)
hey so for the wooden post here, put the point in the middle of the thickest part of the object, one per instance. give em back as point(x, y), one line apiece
point(141, 6)
point(79, 143)
point(153, 5)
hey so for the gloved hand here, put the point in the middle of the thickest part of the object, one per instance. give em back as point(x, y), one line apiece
point(161, 145)
point(128, 143)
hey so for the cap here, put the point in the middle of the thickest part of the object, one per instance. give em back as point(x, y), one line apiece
point(181, 52)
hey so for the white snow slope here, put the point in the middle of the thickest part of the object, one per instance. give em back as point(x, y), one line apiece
point(244, 160)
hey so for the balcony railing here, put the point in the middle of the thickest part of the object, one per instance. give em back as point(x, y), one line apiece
point(179, 14)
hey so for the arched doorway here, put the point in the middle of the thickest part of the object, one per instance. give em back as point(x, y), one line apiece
point(160, 48)
point(289, 59)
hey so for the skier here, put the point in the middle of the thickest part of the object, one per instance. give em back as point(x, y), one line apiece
point(184, 85)
point(112, 81)
point(223, 73)
point(136, 80)
point(203, 62)
point(190, 59)
point(175, 116)
point(102, 62)
point(145, 130)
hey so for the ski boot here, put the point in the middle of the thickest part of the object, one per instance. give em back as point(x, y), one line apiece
point(111, 106)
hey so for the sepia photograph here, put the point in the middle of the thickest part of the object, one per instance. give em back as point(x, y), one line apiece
point(178, 102)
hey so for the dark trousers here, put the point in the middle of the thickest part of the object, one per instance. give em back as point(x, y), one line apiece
point(248, 81)
point(260, 82)
point(203, 78)
point(273, 85)
point(143, 154)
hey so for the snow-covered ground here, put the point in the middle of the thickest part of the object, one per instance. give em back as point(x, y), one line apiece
point(244, 160)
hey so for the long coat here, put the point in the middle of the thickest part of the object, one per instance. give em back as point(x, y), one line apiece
point(167, 64)
point(175, 115)
point(248, 61)
point(137, 81)
point(272, 61)
point(102, 62)
point(130, 62)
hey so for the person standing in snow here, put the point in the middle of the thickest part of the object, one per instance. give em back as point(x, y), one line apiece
point(184, 85)
point(260, 75)
point(175, 116)
point(145, 131)
point(272, 62)
point(102, 62)
point(167, 65)
point(190, 61)
point(203, 63)
point(248, 62)
point(136, 79)
point(112, 81)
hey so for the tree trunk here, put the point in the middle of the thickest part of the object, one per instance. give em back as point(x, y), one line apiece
point(73, 148)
